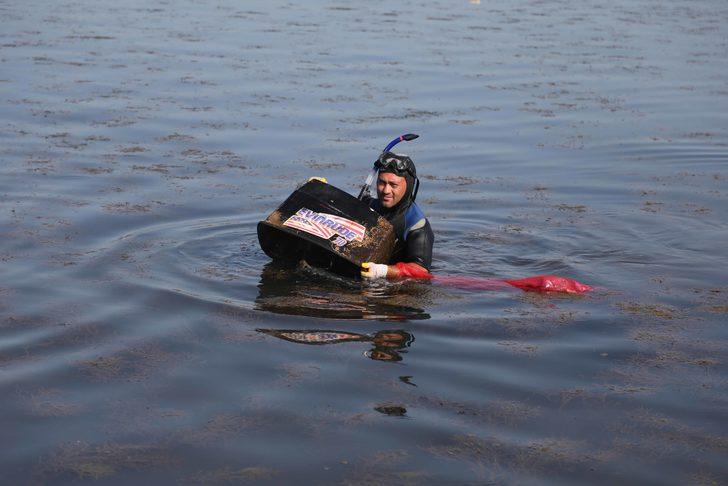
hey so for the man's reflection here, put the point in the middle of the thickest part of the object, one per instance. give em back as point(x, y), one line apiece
point(388, 345)
point(311, 292)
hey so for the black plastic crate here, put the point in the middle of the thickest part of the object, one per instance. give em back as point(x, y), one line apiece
point(327, 228)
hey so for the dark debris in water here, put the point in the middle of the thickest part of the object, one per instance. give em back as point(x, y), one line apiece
point(391, 410)
point(385, 467)
point(133, 364)
point(491, 459)
point(577, 208)
point(659, 311)
point(81, 460)
point(496, 412)
point(48, 402)
point(645, 427)
point(230, 475)
point(293, 374)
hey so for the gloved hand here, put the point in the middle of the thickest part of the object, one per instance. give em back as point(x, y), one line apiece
point(373, 270)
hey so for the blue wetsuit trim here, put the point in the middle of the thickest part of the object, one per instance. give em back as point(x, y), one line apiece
point(413, 216)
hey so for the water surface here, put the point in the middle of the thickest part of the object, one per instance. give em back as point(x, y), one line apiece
point(144, 336)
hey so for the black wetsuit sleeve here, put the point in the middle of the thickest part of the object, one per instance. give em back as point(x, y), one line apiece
point(419, 246)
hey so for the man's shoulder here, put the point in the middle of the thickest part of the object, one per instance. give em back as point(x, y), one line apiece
point(414, 218)
point(414, 213)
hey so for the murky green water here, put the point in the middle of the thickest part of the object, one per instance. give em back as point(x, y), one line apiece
point(145, 337)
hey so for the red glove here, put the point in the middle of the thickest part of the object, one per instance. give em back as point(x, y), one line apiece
point(412, 270)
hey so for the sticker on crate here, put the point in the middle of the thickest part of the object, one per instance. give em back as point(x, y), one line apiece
point(326, 225)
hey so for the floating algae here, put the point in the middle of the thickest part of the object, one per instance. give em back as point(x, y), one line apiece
point(97, 461)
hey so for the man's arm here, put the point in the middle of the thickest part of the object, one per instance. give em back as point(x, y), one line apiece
point(398, 270)
point(418, 255)
point(420, 240)
point(408, 270)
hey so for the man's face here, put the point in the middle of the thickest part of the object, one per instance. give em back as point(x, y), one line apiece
point(390, 189)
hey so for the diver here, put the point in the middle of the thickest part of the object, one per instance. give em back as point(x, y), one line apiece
point(397, 186)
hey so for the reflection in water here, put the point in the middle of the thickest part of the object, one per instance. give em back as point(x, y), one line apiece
point(308, 291)
point(389, 345)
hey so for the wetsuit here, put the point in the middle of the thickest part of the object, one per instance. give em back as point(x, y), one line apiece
point(414, 233)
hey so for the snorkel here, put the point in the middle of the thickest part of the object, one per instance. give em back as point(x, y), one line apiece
point(366, 188)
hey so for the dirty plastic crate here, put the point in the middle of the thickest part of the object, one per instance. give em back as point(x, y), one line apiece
point(327, 228)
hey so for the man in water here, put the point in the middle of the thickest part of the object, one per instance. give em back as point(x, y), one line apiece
point(397, 186)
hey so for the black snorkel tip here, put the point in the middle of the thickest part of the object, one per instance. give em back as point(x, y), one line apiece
point(406, 137)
